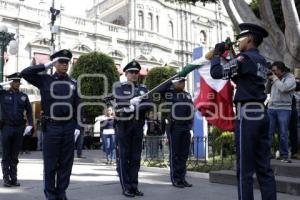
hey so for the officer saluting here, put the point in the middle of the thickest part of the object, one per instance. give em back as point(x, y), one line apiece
point(249, 72)
point(13, 104)
point(130, 119)
point(59, 99)
point(180, 122)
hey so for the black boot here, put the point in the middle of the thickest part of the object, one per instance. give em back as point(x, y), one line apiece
point(13, 176)
point(6, 179)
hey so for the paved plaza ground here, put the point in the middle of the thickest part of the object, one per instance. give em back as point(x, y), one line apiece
point(92, 179)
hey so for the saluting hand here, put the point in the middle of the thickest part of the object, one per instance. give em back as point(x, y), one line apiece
point(5, 83)
point(50, 64)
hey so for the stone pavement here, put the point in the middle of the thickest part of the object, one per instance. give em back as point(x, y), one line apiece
point(92, 179)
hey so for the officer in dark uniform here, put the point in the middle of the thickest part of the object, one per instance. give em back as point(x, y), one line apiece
point(13, 104)
point(179, 124)
point(249, 73)
point(59, 99)
point(130, 119)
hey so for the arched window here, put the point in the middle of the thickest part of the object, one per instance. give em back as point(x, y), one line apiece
point(141, 19)
point(171, 29)
point(150, 21)
point(203, 37)
point(157, 23)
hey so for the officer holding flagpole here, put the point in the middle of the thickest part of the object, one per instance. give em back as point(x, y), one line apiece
point(249, 73)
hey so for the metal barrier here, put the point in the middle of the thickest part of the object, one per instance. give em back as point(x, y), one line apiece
point(205, 153)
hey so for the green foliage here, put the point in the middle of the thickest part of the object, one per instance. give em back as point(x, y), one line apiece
point(95, 64)
point(158, 75)
point(215, 132)
point(225, 142)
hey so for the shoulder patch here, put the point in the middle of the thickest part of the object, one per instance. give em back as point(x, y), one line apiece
point(23, 98)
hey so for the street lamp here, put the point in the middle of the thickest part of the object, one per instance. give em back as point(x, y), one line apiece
point(6, 39)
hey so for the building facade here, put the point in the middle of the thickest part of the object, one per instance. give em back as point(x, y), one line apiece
point(153, 32)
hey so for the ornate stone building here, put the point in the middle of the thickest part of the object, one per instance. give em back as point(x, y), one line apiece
point(153, 32)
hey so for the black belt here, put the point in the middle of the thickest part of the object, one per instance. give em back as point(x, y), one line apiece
point(10, 123)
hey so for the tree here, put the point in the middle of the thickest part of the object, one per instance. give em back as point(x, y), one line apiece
point(281, 44)
point(89, 65)
point(156, 76)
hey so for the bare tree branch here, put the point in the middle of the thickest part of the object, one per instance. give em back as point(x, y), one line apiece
point(292, 33)
point(269, 22)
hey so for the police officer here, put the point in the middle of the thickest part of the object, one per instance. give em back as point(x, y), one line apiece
point(130, 119)
point(179, 124)
point(59, 99)
point(13, 104)
point(249, 72)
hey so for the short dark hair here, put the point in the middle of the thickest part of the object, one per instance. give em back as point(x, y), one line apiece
point(281, 66)
point(257, 40)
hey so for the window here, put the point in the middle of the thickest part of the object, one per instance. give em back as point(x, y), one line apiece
point(171, 29)
point(150, 21)
point(141, 20)
point(203, 37)
point(157, 23)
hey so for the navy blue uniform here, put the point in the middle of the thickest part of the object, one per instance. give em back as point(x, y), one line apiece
point(13, 105)
point(251, 130)
point(180, 122)
point(129, 134)
point(59, 99)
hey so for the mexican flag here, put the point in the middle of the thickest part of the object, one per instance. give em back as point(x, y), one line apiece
point(215, 100)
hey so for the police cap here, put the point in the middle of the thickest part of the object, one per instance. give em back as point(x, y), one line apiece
point(248, 28)
point(14, 76)
point(179, 79)
point(132, 66)
point(62, 54)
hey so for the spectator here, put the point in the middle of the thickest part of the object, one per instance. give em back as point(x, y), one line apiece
point(281, 86)
point(108, 132)
point(154, 131)
point(39, 133)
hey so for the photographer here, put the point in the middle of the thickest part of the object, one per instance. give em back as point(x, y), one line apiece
point(281, 84)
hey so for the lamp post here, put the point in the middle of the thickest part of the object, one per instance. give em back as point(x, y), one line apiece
point(5, 39)
point(54, 13)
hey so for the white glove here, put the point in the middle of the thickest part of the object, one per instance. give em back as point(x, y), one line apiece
point(76, 134)
point(27, 130)
point(135, 101)
point(129, 109)
point(50, 64)
point(5, 83)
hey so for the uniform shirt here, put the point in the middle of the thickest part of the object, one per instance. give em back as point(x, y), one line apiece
point(250, 79)
point(13, 105)
point(181, 108)
point(126, 91)
point(59, 96)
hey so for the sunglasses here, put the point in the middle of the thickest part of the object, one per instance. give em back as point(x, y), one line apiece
point(133, 72)
point(63, 61)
